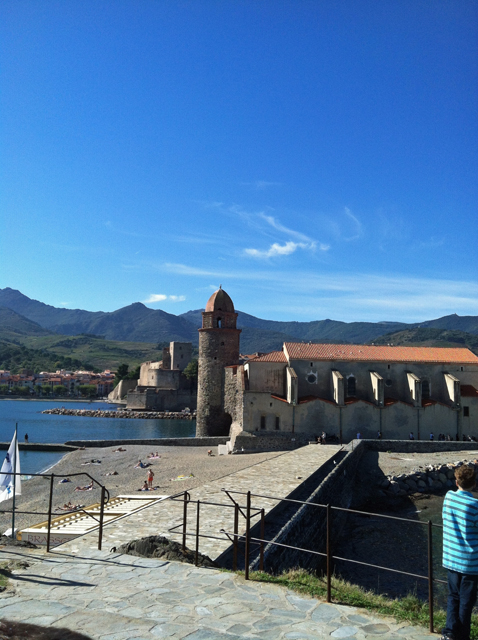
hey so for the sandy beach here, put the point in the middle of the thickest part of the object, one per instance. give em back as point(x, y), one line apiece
point(191, 462)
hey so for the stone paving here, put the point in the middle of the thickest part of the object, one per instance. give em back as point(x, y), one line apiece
point(278, 476)
point(108, 596)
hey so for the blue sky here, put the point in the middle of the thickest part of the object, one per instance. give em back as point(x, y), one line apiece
point(319, 159)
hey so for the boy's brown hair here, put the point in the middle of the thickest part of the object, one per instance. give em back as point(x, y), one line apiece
point(465, 477)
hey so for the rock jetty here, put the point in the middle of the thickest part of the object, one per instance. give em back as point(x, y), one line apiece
point(123, 413)
point(429, 479)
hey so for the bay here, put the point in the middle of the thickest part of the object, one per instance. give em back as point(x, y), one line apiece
point(46, 428)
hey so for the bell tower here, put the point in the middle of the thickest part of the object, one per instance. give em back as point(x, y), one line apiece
point(218, 347)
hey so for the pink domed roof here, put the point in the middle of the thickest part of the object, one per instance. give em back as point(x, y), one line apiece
point(220, 301)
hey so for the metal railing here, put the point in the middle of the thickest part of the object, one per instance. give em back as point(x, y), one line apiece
point(105, 496)
point(248, 512)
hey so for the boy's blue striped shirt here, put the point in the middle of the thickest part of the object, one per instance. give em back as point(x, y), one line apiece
point(460, 532)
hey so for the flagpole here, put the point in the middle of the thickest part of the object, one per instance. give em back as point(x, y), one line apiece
point(14, 479)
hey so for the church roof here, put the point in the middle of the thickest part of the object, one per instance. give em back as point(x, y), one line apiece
point(273, 356)
point(377, 353)
point(220, 301)
point(468, 391)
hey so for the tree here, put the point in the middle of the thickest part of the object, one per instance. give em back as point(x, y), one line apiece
point(121, 372)
point(87, 390)
point(3, 388)
point(134, 375)
point(191, 370)
point(59, 390)
point(45, 389)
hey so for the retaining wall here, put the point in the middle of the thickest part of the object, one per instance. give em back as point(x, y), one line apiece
point(307, 528)
point(157, 442)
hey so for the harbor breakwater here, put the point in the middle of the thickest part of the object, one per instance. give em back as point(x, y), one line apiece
point(429, 479)
point(123, 413)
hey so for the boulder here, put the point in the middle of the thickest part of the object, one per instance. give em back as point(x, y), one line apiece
point(442, 477)
point(411, 483)
point(161, 547)
point(421, 484)
point(394, 488)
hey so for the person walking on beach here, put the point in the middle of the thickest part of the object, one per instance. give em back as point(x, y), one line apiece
point(150, 478)
point(26, 437)
point(460, 554)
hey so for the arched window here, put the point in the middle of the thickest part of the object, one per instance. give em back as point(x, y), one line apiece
point(219, 322)
point(263, 422)
point(351, 386)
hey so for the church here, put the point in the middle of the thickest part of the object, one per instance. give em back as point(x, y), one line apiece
point(342, 389)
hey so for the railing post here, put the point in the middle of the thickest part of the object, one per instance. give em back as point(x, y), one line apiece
point(261, 553)
point(329, 552)
point(50, 506)
point(430, 575)
point(185, 517)
point(248, 533)
point(197, 532)
point(236, 540)
point(102, 513)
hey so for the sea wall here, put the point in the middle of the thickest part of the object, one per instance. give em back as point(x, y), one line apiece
point(270, 441)
point(419, 446)
point(307, 528)
point(39, 446)
point(153, 442)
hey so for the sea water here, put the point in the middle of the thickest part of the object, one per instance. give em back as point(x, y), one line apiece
point(47, 428)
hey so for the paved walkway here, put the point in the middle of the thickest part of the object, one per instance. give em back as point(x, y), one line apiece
point(117, 597)
point(278, 476)
point(107, 596)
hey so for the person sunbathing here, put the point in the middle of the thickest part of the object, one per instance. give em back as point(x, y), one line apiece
point(87, 488)
point(141, 465)
point(118, 450)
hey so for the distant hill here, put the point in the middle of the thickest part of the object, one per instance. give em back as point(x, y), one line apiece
point(138, 323)
point(13, 326)
point(317, 330)
point(428, 337)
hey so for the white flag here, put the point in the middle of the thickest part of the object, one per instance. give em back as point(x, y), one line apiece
point(10, 465)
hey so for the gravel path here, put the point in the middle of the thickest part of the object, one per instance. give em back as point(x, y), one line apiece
point(173, 462)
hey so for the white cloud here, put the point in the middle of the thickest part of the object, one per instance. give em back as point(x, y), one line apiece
point(356, 224)
point(280, 227)
point(260, 185)
point(161, 297)
point(276, 249)
point(347, 296)
point(156, 297)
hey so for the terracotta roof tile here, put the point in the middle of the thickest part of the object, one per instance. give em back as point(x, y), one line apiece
point(377, 353)
point(468, 391)
point(273, 356)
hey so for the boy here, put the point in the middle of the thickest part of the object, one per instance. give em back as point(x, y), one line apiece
point(460, 554)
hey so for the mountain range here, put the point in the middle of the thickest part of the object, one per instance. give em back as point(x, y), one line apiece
point(20, 315)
